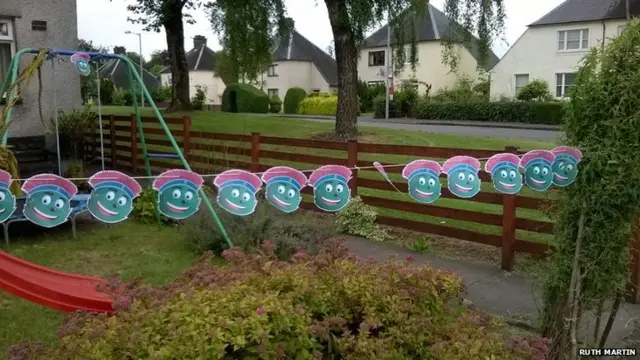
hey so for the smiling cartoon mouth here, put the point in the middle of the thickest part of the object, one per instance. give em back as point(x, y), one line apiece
point(329, 201)
point(43, 216)
point(280, 202)
point(423, 194)
point(105, 211)
point(2, 210)
point(560, 177)
point(508, 186)
point(464, 188)
point(538, 182)
point(233, 206)
point(178, 209)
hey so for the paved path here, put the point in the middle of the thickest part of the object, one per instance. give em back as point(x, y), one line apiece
point(495, 291)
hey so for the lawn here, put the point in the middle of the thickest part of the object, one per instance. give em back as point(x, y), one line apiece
point(129, 249)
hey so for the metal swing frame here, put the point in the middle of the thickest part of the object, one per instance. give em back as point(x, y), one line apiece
point(133, 78)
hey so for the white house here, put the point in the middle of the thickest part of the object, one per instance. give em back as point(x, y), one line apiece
point(433, 27)
point(200, 61)
point(552, 48)
point(297, 62)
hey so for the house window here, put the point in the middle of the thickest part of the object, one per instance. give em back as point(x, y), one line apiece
point(6, 48)
point(376, 58)
point(272, 92)
point(563, 82)
point(316, 91)
point(621, 28)
point(39, 25)
point(573, 40)
point(407, 54)
point(375, 83)
point(521, 81)
point(271, 71)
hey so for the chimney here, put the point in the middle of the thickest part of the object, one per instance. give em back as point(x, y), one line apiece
point(199, 41)
point(290, 24)
point(120, 50)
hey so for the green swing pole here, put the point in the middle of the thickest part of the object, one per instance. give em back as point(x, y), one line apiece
point(175, 146)
point(13, 66)
point(141, 136)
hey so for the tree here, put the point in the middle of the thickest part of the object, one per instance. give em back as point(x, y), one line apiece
point(169, 15)
point(135, 58)
point(224, 68)
point(158, 60)
point(88, 85)
point(248, 33)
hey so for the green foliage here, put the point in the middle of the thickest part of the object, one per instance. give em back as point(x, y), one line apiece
point(536, 90)
point(249, 99)
point(275, 104)
point(129, 95)
point(117, 98)
point(329, 306)
point(406, 100)
point(164, 93)
point(359, 219)
point(379, 108)
point(197, 102)
point(319, 105)
point(367, 93)
point(300, 229)
point(421, 245)
point(550, 113)
point(601, 119)
point(465, 90)
point(72, 126)
point(106, 91)
point(292, 99)
point(144, 207)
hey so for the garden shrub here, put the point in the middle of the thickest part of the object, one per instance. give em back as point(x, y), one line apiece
point(197, 102)
point(549, 113)
point(464, 90)
point(106, 91)
point(275, 104)
point(367, 93)
point(163, 93)
point(359, 219)
point(117, 97)
point(330, 306)
point(249, 99)
point(144, 207)
point(379, 107)
point(319, 105)
point(406, 100)
point(536, 90)
point(292, 99)
point(300, 229)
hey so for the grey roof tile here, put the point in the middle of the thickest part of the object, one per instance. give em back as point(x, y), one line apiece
point(297, 47)
point(588, 10)
point(116, 70)
point(201, 58)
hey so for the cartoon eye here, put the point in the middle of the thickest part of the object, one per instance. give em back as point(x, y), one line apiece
point(177, 193)
point(545, 171)
point(471, 177)
point(46, 199)
point(110, 195)
point(503, 173)
point(561, 164)
point(235, 193)
point(461, 176)
point(291, 193)
point(432, 182)
point(246, 197)
point(536, 170)
point(188, 195)
point(339, 188)
point(122, 200)
point(59, 204)
point(329, 188)
point(281, 189)
point(512, 174)
point(2, 196)
point(422, 181)
point(569, 167)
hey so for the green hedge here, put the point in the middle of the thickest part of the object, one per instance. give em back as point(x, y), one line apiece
point(292, 99)
point(548, 113)
point(249, 99)
point(319, 105)
point(379, 106)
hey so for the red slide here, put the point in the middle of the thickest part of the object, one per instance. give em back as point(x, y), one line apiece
point(55, 289)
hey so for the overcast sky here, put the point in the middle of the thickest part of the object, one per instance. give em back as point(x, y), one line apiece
point(104, 22)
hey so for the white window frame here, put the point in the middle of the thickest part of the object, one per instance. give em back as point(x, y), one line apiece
point(407, 54)
point(561, 42)
point(8, 39)
point(272, 92)
point(271, 70)
point(515, 82)
point(563, 85)
point(371, 57)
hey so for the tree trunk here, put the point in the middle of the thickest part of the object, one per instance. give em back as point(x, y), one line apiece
point(174, 29)
point(347, 60)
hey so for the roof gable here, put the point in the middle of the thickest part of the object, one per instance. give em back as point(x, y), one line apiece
point(588, 10)
point(117, 71)
point(200, 58)
point(297, 47)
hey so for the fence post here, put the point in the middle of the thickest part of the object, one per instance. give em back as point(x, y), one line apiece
point(112, 134)
point(186, 138)
point(134, 145)
point(352, 162)
point(509, 207)
point(255, 152)
point(633, 289)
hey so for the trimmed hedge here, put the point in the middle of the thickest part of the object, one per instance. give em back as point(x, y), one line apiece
point(292, 99)
point(319, 105)
point(249, 99)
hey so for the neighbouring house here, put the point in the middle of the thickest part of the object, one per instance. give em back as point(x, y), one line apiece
point(37, 24)
point(430, 31)
point(297, 62)
point(200, 61)
point(553, 47)
point(118, 72)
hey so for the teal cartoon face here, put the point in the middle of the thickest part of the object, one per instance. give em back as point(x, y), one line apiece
point(7, 204)
point(237, 199)
point(565, 171)
point(331, 194)
point(425, 188)
point(463, 181)
point(284, 195)
point(82, 66)
point(178, 201)
point(110, 204)
point(507, 179)
point(47, 208)
point(538, 176)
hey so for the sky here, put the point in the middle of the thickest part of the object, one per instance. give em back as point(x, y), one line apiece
point(99, 19)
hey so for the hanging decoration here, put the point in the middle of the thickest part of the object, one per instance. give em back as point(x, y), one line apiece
point(331, 187)
point(462, 176)
point(505, 173)
point(565, 165)
point(81, 62)
point(7, 199)
point(384, 174)
point(48, 201)
point(537, 164)
point(111, 200)
point(178, 193)
point(237, 191)
point(424, 180)
point(283, 185)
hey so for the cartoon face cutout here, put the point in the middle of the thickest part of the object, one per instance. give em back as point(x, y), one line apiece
point(7, 204)
point(539, 176)
point(47, 208)
point(425, 187)
point(82, 66)
point(110, 204)
point(463, 181)
point(237, 199)
point(284, 195)
point(507, 179)
point(178, 201)
point(565, 171)
point(331, 195)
